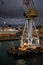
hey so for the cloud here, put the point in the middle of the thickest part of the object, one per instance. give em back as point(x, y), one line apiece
point(17, 8)
point(38, 21)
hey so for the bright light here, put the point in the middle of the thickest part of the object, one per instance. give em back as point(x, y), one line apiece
point(25, 44)
point(4, 22)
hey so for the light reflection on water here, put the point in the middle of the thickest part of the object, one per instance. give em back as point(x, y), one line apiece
point(35, 60)
point(20, 62)
point(8, 60)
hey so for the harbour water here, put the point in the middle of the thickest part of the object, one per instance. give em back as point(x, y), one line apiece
point(9, 60)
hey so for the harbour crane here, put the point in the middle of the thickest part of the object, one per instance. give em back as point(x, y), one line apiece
point(29, 37)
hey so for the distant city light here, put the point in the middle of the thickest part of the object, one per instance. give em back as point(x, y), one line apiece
point(4, 22)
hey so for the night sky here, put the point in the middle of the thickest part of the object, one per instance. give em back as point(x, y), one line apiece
point(12, 11)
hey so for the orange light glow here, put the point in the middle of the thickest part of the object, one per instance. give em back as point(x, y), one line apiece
point(33, 47)
point(25, 44)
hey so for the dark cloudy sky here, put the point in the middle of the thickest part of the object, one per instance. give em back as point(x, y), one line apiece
point(16, 8)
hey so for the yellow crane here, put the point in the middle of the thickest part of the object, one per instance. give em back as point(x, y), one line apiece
point(31, 12)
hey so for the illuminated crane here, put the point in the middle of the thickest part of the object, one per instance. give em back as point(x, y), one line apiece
point(30, 27)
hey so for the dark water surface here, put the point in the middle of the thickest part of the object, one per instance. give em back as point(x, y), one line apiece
point(9, 60)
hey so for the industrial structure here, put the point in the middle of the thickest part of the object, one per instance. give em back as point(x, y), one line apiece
point(29, 38)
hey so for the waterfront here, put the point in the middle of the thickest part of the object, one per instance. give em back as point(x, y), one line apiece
point(9, 60)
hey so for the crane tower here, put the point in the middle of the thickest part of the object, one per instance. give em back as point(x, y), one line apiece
point(30, 33)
